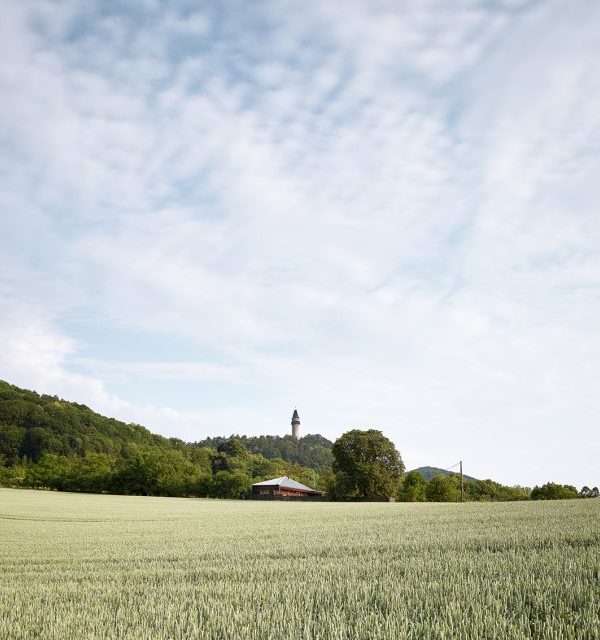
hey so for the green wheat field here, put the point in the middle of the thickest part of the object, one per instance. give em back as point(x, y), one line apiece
point(98, 566)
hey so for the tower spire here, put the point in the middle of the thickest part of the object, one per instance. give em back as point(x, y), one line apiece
point(295, 424)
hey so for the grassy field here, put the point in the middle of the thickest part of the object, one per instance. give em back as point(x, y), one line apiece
point(92, 566)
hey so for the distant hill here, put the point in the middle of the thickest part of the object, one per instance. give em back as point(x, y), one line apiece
point(429, 472)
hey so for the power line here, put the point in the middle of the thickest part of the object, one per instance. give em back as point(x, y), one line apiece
point(454, 465)
point(462, 483)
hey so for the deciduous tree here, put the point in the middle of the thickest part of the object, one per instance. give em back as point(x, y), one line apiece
point(413, 488)
point(443, 489)
point(366, 465)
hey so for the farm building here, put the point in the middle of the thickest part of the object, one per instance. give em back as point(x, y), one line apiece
point(283, 487)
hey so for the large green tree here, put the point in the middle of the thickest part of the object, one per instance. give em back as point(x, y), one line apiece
point(366, 465)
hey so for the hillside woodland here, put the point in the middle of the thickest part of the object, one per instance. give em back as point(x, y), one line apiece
point(312, 451)
point(47, 442)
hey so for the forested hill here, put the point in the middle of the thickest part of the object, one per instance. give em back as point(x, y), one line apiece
point(32, 425)
point(312, 450)
point(50, 443)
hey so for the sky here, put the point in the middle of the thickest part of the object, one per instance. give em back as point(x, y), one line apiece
point(383, 213)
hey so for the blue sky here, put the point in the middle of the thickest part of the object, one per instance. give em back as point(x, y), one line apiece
point(383, 213)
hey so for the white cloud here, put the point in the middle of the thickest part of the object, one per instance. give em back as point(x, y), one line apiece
point(386, 215)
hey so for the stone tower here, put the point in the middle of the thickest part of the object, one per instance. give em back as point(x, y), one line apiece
point(296, 425)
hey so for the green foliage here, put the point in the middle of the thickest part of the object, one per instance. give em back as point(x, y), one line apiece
point(413, 488)
point(446, 488)
point(443, 489)
point(169, 473)
point(553, 491)
point(490, 491)
point(230, 484)
point(50, 472)
point(312, 451)
point(11, 442)
point(32, 425)
point(366, 466)
point(12, 476)
point(586, 492)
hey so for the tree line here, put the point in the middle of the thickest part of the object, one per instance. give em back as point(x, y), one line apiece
point(367, 466)
point(50, 443)
point(46, 442)
point(225, 472)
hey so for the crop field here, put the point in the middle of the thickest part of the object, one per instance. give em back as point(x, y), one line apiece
point(94, 566)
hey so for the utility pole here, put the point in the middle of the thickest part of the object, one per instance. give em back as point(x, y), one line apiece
point(462, 484)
